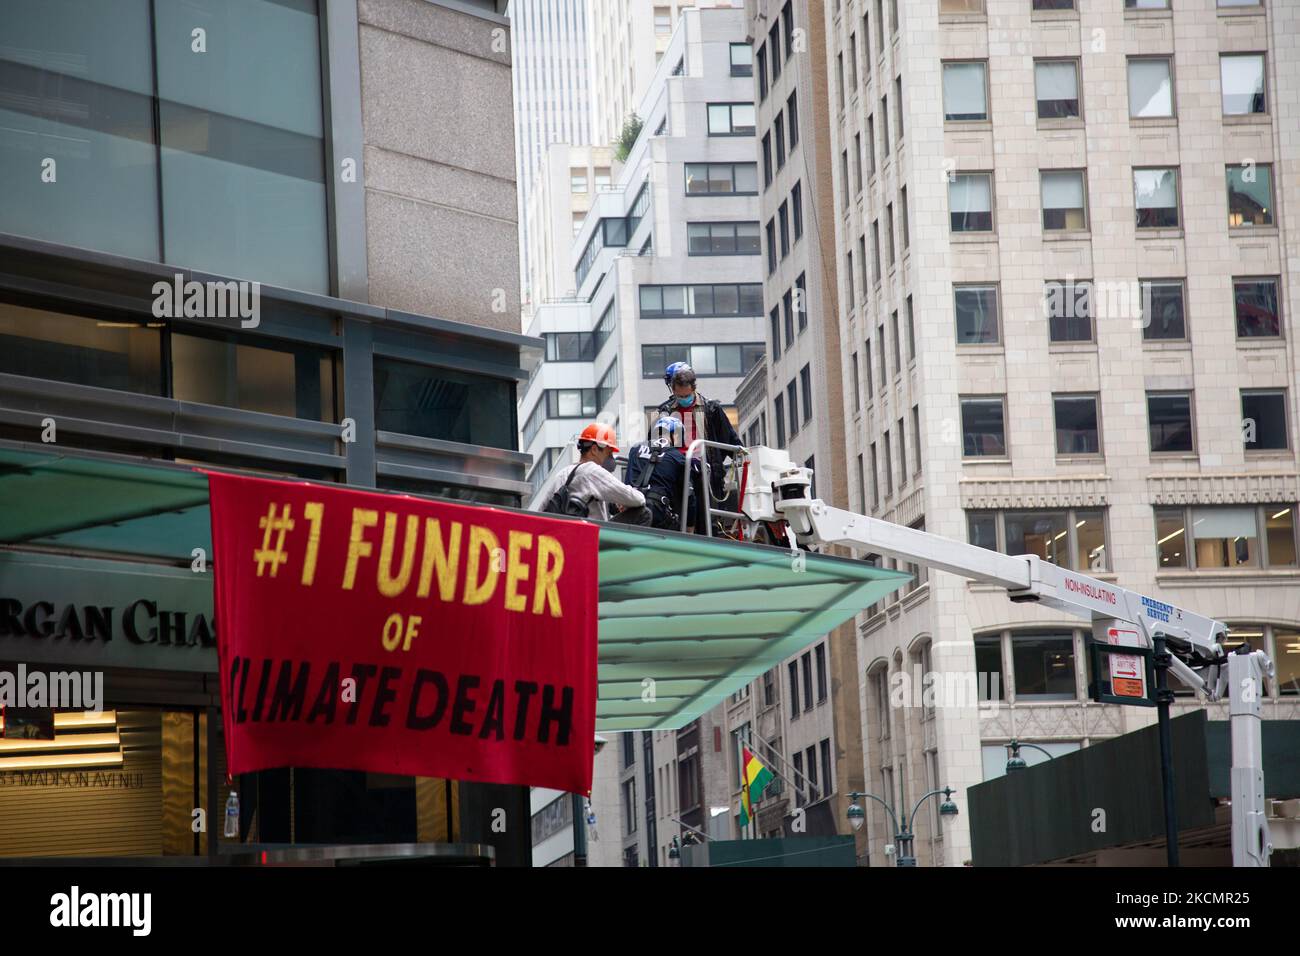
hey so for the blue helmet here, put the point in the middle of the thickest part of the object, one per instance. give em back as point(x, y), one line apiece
point(679, 373)
point(665, 428)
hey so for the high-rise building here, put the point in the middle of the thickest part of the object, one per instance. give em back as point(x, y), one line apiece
point(551, 78)
point(627, 42)
point(360, 201)
point(666, 264)
point(1064, 288)
point(793, 401)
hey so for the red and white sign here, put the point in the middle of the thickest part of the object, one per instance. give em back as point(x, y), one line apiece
point(361, 631)
point(1127, 676)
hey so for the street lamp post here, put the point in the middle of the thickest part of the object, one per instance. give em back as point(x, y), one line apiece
point(903, 832)
point(1017, 762)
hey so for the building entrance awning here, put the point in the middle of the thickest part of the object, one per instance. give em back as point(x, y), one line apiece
point(685, 621)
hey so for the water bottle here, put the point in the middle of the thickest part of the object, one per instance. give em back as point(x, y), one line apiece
point(232, 816)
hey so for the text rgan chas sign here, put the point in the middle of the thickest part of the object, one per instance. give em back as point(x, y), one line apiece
point(362, 631)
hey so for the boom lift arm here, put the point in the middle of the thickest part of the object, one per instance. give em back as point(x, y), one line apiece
point(776, 490)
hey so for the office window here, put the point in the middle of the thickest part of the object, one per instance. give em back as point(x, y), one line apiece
point(761, 62)
point(730, 359)
point(1053, 4)
point(1256, 304)
point(663, 21)
point(976, 310)
point(769, 678)
point(875, 251)
point(1056, 85)
point(1150, 87)
point(965, 93)
point(970, 202)
point(848, 279)
point(902, 211)
point(898, 105)
point(767, 160)
point(916, 442)
point(1146, 4)
point(774, 41)
point(839, 79)
point(902, 454)
point(810, 760)
point(871, 149)
point(808, 701)
point(862, 485)
point(889, 463)
point(983, 427)
point(1043, 666)
point(1069, 311)
point(898, 347)
point(988, 665)
point(867, 366)
point(800, 781)
point(731, 119)
point(778, 135)
point(1064, 203)
point(884, 374)
point(722, 179)
point(801, 300)
point(722, 238)
point(889, 233)
point(787, 303)
point(792, 118)
point(853, 62)
point(771, 246)
point(1169, 418)
point(776, 333)
point(1226, 537)
point(787, 27)
point(794, 689)
point(742, 59)
point(1076, 425)
point(866, 274)
point(875, 477)
point(961, 6)
point(792, 404)
point(827, 783)
point(1263, 416)
point(805, 380)
point(1242, 80)
point(1155, 196)
point(578, 181)
point(819, 653)
point(796, 202)
point(783, 220)
point(884, 126)
point(778, 409)
point(1250, 195)
point(718, 301)
point(444, 403)
point(1070, 539)
point(602, 177)
point(857, 386)
point(1163, 317)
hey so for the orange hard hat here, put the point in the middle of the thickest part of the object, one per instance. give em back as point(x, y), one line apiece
point(599, 433)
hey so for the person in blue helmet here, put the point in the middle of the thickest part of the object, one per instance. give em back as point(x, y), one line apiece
point(700, 417)
point(658, 470)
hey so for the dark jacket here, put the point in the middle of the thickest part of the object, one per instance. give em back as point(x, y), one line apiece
point(717, 427)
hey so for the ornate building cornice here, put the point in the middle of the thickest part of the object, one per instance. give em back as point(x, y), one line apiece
point(1083, 492)
point(1253, 488)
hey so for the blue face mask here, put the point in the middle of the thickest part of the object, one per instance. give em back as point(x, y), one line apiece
point(686, 402)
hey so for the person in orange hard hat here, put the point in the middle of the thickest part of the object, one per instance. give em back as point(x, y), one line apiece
point(591, 482)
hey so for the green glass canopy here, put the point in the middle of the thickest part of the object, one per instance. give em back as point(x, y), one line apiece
point(685, 621)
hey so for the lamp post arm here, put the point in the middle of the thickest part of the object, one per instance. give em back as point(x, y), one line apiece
point(1020, 743)
point(890, 810)
point(912, 820)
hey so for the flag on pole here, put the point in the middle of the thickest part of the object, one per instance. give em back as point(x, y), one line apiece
point(754, 780)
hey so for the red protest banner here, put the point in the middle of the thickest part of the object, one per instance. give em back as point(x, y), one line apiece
point(362, 631)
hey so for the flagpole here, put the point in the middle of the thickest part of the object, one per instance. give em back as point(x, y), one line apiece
point(773, 754)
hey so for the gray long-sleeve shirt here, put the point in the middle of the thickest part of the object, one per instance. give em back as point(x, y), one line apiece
point(602, 488)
